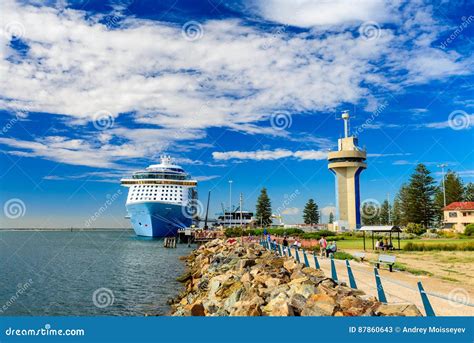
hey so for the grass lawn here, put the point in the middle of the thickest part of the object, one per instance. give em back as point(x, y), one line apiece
point(358, 242)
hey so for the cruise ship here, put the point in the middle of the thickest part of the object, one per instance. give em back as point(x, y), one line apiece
point(160, 199)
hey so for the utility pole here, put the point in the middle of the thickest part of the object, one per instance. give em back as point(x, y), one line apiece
point(230, 203)
point(389, 214)
point(240, 206)
point(442, 165)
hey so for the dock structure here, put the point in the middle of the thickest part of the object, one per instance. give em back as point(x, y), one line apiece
point(170, 242)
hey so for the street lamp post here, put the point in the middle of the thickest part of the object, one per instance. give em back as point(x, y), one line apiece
point(442, 165)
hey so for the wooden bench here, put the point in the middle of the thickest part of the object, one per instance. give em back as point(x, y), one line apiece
point(359, 255)
point(389, 260)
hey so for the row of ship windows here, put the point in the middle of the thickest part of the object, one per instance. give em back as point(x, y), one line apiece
point(165, 190)
point(152, 186)
point(147, 198)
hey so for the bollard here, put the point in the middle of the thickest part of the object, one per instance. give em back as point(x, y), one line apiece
point(352, 281)
point(426, 302)
point(306, 262)
point(316, 262)
point(333, 270)
point(380, 290)
point(297, 255)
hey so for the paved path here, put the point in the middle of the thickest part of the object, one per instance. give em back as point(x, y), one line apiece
point(401, 287)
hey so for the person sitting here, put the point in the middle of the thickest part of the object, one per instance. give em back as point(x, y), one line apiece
point(331, 249)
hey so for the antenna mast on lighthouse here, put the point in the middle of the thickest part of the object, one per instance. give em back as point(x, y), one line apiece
point(345, 117)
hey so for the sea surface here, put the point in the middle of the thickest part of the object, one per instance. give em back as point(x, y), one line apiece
point(86, 273)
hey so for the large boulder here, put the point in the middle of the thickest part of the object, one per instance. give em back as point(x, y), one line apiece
point(407, 310)
point(319, 305)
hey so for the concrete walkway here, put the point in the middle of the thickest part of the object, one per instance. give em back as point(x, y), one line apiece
point(401, 287)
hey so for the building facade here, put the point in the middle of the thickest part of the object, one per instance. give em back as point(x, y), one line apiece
point(458, 215)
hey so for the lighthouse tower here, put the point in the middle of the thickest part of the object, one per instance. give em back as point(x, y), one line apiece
point(347, 163)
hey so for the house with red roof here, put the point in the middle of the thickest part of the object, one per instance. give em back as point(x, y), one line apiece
point(458, 214)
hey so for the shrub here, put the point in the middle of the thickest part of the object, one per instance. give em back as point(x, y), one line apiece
point(416, 229)
point(469, 230)
point(341, 255)
point(439, 246)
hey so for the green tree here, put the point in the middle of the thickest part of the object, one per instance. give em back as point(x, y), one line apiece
point(385, 213)
point(416, 229)
point(264, 209)
point(370, 213)
point(311, 213)
point(331, 218)
point(419, 208)
point(397, 211)
point(454, 192)
point(469, 192)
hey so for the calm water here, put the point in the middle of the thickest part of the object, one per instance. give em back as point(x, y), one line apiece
point(69, 273)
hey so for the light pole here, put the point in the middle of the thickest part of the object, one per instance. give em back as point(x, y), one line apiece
point(230, 202)
point(442, 165)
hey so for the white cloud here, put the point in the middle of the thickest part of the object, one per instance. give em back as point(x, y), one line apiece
point(388, 154)
point(206, 177)
point(328, 210)
point(276, 154)
point(231, 77)
point(291, 211)
point(308, 13)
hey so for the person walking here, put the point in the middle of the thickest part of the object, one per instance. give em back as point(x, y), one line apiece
point(322, 246)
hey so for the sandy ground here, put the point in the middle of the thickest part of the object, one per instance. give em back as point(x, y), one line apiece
point(401, 287)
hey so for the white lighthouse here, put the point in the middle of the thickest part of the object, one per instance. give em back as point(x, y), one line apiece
point(347, 163)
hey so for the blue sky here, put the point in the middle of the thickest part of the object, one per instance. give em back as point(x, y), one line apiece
point(247, 91)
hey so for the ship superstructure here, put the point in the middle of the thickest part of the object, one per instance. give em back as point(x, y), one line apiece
point(160, 199)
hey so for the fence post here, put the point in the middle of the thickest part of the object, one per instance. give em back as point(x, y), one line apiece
point(426, 302)
point(333, 270)
point(380, 290)
point(352, 280)
point(306, 262)
point(316, 262)
point(297, 256)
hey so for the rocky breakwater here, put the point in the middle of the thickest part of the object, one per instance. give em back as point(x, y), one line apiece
point(226, 278)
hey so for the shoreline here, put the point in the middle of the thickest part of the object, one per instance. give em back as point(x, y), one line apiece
point(228, 278)
point(66, 229)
